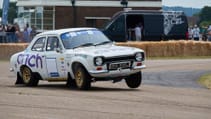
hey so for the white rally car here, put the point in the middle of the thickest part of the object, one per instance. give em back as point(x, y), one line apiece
point(78, 56)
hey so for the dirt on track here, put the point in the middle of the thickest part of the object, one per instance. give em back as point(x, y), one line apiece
point(106, 100)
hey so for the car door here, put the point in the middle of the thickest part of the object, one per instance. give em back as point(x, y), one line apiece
point(55, 61)
point(36, 57)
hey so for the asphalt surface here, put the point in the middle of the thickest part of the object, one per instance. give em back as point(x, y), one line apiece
point(169, 91)
point(176, 73)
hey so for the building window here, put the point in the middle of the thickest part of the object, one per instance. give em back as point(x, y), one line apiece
point(41, 17)
point(96, 21)
point(91, 22)
point(48, 18)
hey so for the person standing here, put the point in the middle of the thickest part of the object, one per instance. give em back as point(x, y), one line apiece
point(196, 33)
point(33, 32)
point(138, 32)
point(2, 34)
point(190, 33)
point(29, 32)
point(209, 33)
point(204, 33)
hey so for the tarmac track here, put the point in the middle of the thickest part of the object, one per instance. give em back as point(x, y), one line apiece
point(169, 91)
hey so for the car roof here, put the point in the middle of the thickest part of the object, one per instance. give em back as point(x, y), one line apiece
point(61, 31)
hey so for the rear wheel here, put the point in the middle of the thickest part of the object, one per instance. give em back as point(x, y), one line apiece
point(19, 79)
point(82, 78)
point(134, 80)
point(28, 77)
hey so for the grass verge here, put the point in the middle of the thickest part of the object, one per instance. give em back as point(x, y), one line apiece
point(205, 80)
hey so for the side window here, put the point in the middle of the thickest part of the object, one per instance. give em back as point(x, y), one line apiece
point(118, 25)
point(53, 44)
point(39, 44)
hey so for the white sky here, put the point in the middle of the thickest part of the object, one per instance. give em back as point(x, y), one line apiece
point(183, 3)
point(187, 3)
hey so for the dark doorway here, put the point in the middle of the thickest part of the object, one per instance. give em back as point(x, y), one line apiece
point(131, 22)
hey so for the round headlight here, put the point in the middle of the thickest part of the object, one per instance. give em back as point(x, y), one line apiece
point(138, 56)
point(98, 61)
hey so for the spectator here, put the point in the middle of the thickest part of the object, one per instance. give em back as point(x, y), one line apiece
point(190, 33)
point(209, 33)
point(2, 34)
point(138, 32)
point(196, 33)
point(26, 37)
point(11, 37)
point(29, 31)
point(33, 32)
point(18, 33)
point(204, 33)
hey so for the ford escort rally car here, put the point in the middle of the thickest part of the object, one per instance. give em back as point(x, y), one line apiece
point(78, 56)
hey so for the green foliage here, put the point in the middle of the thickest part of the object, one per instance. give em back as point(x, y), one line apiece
point(205, 23)
point(12, 12)
point(205, 14)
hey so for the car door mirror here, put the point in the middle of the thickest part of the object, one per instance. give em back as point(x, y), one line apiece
point(58, 50)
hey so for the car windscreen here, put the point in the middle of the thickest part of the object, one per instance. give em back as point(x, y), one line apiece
point(83, 38)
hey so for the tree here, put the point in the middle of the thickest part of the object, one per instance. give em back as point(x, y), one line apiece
point(205, 16)
point(12, 14)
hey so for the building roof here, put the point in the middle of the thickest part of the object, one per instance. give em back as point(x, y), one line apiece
point(90, 3)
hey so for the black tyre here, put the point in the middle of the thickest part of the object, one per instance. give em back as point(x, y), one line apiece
point(28, 77)
point(19, 79)
point(70, 82)
point(134, 80)
point(82, 78)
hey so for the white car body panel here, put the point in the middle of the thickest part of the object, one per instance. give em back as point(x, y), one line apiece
point(55, 65)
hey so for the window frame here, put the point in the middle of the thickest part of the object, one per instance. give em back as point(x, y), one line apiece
point(59, 45)
point(43, 44)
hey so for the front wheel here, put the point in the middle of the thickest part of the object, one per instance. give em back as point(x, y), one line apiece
point(28, 77)
point(82, 78)
point(134, 80)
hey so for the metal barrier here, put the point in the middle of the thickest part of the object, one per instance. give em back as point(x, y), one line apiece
point(8, 37)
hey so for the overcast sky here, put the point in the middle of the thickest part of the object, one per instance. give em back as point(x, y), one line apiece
point(187, 3)
point(183, 3)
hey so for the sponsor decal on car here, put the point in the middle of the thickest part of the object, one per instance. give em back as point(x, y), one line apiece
point(31, 60)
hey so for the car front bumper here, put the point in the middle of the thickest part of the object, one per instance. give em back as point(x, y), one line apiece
point(116, 73)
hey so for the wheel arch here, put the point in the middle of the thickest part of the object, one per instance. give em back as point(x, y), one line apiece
point(21, 68)
point(74, 65)
point(37, 74)
point(78, 60)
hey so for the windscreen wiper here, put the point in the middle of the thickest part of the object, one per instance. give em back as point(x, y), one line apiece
point(84, 45)
point(102, 43)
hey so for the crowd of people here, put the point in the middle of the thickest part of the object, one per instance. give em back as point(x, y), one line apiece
point(196, 33)
point(11, 33)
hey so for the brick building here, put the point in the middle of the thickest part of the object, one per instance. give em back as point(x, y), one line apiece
point(55, 14)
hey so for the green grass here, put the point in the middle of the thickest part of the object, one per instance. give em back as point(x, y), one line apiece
point(205, 80)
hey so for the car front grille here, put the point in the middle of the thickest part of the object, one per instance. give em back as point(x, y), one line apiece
point(120, 62)
point(119, 59)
